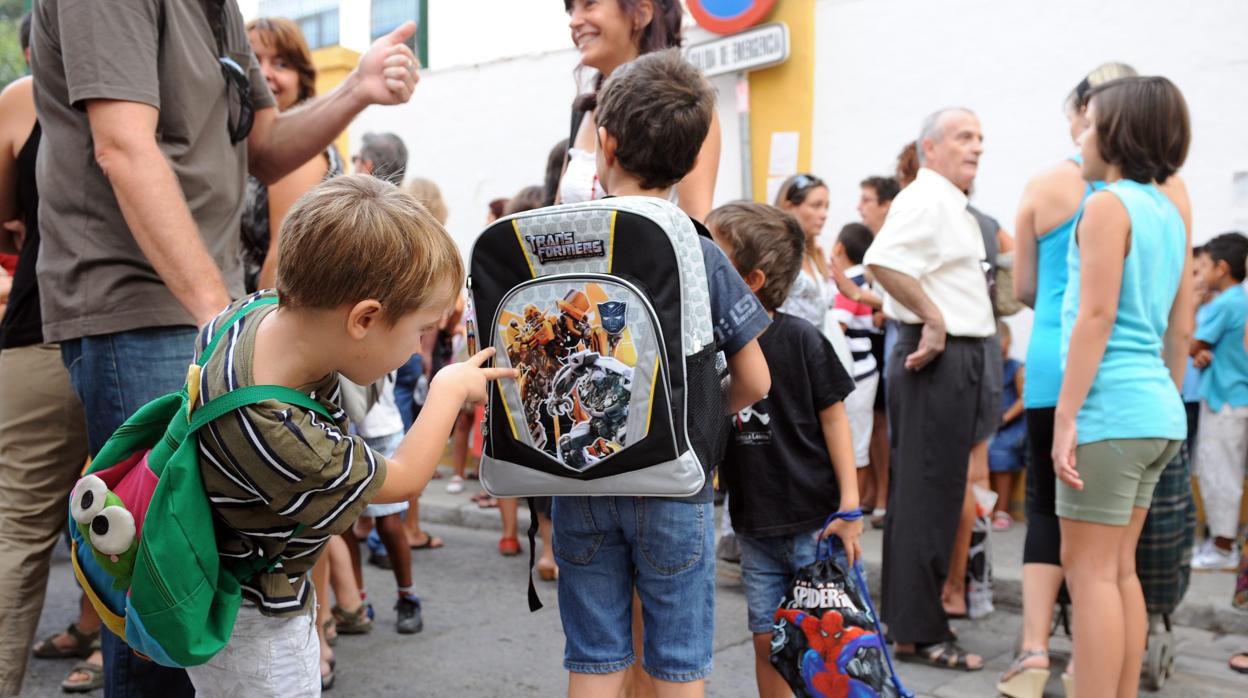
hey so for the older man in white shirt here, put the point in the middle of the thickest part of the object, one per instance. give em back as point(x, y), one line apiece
point(930, 258)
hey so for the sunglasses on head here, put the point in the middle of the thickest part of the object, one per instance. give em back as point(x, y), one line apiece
point(802, 183)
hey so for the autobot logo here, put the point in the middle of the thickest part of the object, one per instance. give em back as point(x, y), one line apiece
point(562, 246)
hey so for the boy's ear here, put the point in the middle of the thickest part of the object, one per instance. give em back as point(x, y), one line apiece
point(755, 279)
point(607, 145)
point(362, 317)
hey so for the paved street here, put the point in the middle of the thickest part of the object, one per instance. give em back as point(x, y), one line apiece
point(480, 640)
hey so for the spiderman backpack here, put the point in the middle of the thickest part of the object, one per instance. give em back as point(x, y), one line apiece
point(603, 308)
point(826, 641)
point(144, 545)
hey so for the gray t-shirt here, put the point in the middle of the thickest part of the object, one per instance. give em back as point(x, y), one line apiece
point(93, 277)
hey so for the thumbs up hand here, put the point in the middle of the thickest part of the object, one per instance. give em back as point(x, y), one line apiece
point(387, 73)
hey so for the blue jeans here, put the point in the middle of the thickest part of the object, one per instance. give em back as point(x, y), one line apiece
point(768, 568)
point(663, 547)
point(405, 387)
point(114, 375)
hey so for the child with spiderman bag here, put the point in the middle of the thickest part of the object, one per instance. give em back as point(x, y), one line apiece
point(789, 462)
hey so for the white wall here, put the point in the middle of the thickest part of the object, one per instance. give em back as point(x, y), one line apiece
point(478, 31)
point(882, 66)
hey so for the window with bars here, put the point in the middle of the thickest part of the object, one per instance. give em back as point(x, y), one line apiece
point(318, 19)
point(388, 14)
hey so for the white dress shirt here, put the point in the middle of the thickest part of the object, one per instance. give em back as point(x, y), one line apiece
point(930, 236)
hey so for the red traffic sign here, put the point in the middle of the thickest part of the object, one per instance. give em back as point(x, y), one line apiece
point(729, 16)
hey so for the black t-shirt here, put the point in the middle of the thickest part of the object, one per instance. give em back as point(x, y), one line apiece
point(777, 470)
point(23, 325)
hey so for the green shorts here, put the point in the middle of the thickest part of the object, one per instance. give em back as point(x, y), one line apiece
point(1118, 475)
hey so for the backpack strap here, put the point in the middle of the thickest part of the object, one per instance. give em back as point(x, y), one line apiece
point(250, 395)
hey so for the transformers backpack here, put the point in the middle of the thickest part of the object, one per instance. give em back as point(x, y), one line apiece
point(603, 308)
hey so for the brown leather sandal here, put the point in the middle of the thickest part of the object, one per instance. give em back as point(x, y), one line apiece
point(81, 649)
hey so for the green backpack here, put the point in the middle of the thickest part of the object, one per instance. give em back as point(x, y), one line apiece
point(143, 538)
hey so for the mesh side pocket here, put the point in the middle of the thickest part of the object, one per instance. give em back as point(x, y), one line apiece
point(707, 416)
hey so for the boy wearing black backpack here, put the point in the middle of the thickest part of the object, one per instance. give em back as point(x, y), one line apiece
point(790, 460)
point(653, 115)
point(364, 272)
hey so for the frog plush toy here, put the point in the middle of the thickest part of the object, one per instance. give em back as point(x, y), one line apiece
point(107, 526)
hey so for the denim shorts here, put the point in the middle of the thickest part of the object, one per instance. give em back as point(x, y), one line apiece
point(768, 567)
point(663, 547)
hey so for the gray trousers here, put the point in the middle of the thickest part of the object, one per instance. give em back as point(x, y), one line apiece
point(935, 415)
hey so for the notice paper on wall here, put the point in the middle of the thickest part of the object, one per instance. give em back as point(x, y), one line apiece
point(773, 188)
point(783, 160)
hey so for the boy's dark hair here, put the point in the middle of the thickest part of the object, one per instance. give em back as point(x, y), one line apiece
point(554, 172)
point(659, 109)
point(762, 237)
point(1142, 125)
point(855, 238)
point(885, 188)
point(1231, 248)
point(23, 31)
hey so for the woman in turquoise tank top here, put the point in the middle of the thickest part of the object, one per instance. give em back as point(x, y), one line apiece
point(1126, 319)
point(1051, 203)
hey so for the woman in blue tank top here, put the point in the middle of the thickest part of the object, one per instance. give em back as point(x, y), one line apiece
point(1051, 202)
point(1126, 319)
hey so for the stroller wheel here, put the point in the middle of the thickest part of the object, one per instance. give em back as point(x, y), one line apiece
point(1159, 659)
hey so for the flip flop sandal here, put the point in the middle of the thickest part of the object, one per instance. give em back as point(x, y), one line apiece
point(81, 649)
point(1239, 669)
point(941, 655)
point(95, 673)
point(432, 542)
point(327, 680)
point(487, 503)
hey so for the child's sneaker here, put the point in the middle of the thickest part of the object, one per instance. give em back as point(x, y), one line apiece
point(357, 622)
point(1211, 557)
point(408, 609)
point(456, 485)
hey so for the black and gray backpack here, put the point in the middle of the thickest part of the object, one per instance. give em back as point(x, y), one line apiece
point(604, 309)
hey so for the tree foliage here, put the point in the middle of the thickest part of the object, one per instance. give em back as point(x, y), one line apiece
point(12, 64)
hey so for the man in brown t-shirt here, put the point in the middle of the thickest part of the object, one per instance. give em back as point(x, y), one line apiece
point(146, 107)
